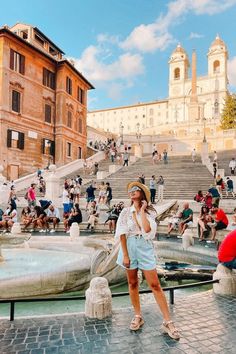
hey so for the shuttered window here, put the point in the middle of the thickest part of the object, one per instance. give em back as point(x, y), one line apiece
point(17, 62)
point(68, 149)
point(15, 101)
point(80, 127)
point(80, 95)
point(48, 113)
point(18, 137)
point(48, 147)
point(69, 119)
point(68, 85)
point(49, 78)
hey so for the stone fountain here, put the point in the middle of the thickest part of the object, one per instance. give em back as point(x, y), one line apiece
point(16, 237)
point(56, 264)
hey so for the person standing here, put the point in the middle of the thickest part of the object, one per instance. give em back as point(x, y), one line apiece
point(214, 169)
point(229, 187)
point(160, 184)
point(165, 156)
point(126, 158)
point(215, 157)
point(232, 165)
point(193, 155)
point(136, 227)
point(153, 188)
point(31, 195)
point(108, 194)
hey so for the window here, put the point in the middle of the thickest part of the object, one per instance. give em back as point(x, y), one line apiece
point(39, 40)
point(68, 149)
point(69, 119)
point(48, 147)
point(79, 152)
point(68, 85)
point(48, 78)
point(15, 104)
point(151, 122)
point(216, 66)
point(80, 127)
point(48, 113)
point(15, 139)
point(177, 73)
point(151, 111)
point(17, 62)
point(80, 95)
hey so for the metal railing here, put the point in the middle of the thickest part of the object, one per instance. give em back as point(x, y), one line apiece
point(171, 289)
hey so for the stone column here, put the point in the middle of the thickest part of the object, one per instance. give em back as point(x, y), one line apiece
point(52, 185)
point(204, 153)
point(4, 189)
point(227, 281)
point(138, 150)
point(98, 302)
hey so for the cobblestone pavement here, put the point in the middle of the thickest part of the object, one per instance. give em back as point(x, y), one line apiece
point(207, 323)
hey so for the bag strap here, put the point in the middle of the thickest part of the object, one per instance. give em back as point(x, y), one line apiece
point(136, 220)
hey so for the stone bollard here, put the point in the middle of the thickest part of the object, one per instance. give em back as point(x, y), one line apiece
point(187, 239)
point(227, 283)
point(74, 231)
point(98, 302)
point(16, 229)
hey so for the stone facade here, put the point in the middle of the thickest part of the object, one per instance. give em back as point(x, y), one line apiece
point(194, 104)
point(43, 103)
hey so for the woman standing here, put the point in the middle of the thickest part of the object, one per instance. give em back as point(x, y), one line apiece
point(219, 184)
point(13, 197)
point(136, 227)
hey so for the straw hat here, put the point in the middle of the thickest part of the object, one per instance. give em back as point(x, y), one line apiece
point(141, 186)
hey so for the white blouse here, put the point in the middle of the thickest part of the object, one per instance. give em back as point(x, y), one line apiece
point(126, 224)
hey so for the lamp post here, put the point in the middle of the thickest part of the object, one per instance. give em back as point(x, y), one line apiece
point(138, 134)
point(122, 133)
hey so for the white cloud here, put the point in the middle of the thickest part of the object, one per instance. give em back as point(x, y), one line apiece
point(156, 35)
point(125, 67)
point(194, 35)
point(232, 71)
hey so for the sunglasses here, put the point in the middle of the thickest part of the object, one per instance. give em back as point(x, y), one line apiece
point(134, 189)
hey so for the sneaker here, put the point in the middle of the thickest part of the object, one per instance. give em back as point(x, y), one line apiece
point(41, 230)
point(179, 236)
point(68, 231)
point(52, 231)
point(31, 230)
point(210, 241)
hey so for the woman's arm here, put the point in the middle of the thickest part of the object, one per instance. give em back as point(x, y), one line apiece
point(126, 260)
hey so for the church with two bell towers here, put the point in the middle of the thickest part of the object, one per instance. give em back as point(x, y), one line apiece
point(193, 106)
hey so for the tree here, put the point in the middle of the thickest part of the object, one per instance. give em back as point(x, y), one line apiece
point(228, 116)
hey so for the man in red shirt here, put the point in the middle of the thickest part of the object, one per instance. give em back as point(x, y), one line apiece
point(227, 251)
point(221, 220)
point(32, 195)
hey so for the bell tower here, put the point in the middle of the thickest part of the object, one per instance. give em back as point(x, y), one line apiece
point(178, 72)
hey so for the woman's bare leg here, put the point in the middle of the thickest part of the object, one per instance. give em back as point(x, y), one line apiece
point(154, 284)
point(132, 276)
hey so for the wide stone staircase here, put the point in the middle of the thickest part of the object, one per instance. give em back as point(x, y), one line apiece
point(183, 178)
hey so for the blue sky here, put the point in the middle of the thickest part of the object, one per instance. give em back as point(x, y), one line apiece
point(123, 46)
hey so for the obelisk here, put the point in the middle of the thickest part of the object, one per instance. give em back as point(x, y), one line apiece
point(194, 107)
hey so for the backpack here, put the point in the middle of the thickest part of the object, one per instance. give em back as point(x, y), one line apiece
point(26, 196)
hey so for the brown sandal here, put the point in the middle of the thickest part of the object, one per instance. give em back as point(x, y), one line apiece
point(169, 328)
point(136, 323)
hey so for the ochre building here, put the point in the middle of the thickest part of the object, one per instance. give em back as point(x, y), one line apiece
point(43, 103)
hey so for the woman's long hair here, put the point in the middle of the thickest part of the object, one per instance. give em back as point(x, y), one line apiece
point(143, 197)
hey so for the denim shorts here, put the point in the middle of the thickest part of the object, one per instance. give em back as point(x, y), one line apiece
point(141, 254)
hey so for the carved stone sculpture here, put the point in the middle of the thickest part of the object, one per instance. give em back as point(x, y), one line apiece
point(227, 283)
point(98, 302)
